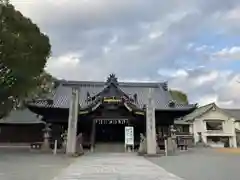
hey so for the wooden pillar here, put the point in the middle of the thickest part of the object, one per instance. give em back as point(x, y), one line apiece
point(72, 122)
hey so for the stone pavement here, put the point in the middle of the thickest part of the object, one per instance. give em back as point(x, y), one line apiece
point(22, 164)
point(202, 164)
point(114, 166)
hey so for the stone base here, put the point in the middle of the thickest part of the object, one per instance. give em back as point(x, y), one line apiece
point(153, 155)
point(158, 154)
point(141, 153)
point(75, 154)
point(46, 150)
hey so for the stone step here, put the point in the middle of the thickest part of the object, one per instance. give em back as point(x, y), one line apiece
point(109, 147)
point(112, 166)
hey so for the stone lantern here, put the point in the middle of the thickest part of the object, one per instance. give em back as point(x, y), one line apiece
point(173, 138)
point(64, 138)
point(46, 137)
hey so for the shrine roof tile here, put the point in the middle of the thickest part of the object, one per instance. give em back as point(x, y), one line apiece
point(24, 116)
point(62, 95)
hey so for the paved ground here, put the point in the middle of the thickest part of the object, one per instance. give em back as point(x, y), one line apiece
point(202, 164)
point(20, 164)
point(198, 164)
point(114, 166)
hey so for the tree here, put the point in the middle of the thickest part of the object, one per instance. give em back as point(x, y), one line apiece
point(179, 96)
point(24, 51)
point(45, 85)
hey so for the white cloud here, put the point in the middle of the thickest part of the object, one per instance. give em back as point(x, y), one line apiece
point(206, 86)
point(204, 48)
point(154, 35)
point(143, 40)
point(173, 73)
point(207, 99)
point(232, 53)
point(106, 50)
point(132, 47)
point(208, 77)
point(114, 39)
point(234, 14)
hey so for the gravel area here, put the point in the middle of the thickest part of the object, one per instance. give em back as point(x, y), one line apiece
point(21, 164)
point(202, 164)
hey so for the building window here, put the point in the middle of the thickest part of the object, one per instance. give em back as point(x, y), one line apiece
point(185, 129)
point(214, 126)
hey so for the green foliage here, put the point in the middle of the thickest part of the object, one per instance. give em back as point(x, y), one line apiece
point(24, 51)
point(45, 85)
point(179, 96)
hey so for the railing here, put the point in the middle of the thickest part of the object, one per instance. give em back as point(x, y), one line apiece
point(214, 131)
point(183, 134)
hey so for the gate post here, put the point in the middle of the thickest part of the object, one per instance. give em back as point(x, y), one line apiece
point(151, 125)
point(72, 122)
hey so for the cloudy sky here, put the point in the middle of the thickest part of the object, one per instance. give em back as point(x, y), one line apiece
point(192, 44)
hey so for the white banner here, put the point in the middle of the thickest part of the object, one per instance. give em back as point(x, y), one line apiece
point(129, 135)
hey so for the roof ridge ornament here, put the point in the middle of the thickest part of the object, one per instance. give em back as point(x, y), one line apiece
point(112, 79)
point(172, 103)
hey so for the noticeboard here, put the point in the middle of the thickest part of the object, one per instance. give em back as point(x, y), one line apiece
point(129, 135)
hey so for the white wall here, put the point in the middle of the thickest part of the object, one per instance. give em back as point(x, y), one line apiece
point(228, 123)
point(237, 125)
point(199, 124)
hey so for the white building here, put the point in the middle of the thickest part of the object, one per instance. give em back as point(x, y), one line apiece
point(213, 126)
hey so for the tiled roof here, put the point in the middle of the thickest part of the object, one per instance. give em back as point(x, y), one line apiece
point(61, 97)
point(235, 113)
point(21, 117)
point(237, 130)
point(181, 122)
point(198, 112)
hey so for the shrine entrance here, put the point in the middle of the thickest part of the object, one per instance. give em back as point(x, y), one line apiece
point(109, 130)
point(110, 135)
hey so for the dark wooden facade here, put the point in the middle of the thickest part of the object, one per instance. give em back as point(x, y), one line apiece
point(21, 126)
point(106, 108)
point(21, 133)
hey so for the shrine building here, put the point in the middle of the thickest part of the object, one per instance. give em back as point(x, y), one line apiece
point(105, 108)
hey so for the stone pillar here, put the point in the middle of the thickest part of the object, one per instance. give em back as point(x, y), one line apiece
point(151, 125)
point(233, 141)
point(72, 122)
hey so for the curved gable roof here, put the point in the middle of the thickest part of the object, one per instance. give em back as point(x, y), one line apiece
point(62, 95)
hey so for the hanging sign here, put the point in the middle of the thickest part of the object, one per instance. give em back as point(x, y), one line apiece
point(111, 100)
point(129, 135)
point(111, 121)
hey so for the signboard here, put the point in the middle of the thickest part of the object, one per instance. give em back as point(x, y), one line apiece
point(111, 121)
point(129, 135)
